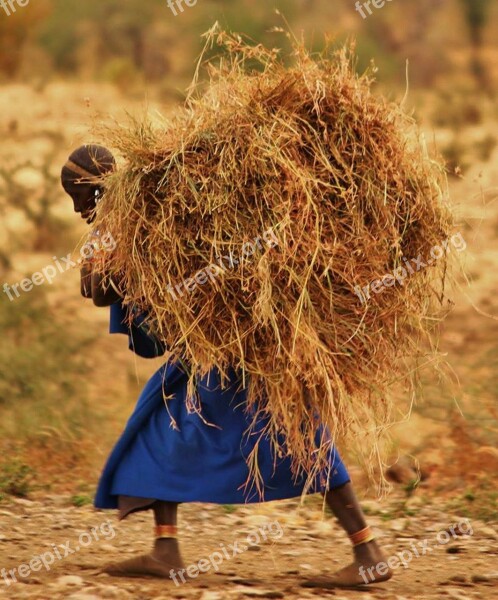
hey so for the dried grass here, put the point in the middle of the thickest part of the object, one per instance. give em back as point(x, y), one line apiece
point(342, 177)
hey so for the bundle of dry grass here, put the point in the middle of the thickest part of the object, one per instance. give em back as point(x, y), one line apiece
point(300, 185)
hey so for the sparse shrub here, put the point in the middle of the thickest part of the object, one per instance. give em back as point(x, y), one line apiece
point(121, 72)
point(16, 479)
point(40, 361)
point(81, 500)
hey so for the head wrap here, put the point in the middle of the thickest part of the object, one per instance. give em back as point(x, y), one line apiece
point(86, 164)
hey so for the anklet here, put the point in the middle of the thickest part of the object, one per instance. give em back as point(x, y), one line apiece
point(362, 537)
point(166, 531)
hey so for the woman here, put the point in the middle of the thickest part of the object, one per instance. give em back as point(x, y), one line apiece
point(167, 455)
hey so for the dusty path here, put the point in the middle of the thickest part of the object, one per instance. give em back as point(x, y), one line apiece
point(299, 543)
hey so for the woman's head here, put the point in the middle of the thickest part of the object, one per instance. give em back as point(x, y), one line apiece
point(80, 174)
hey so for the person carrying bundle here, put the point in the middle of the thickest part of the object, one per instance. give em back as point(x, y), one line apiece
point(170, 454)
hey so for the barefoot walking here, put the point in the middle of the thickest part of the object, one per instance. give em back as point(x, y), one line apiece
point(168, 455)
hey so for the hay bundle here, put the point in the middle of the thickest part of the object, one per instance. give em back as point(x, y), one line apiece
point(247, 225)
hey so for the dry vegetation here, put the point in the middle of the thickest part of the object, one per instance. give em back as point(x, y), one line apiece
point(342, 179)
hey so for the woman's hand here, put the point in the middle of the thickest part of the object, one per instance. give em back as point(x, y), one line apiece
point(104, 288)
point(86, 279)
point(101, 288)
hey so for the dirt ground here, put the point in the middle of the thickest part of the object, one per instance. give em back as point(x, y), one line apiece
point(299, 543)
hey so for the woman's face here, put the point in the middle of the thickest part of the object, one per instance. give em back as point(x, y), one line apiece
point(84, 196)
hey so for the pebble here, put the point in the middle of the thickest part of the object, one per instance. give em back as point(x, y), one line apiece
point(371, 505)
point(491, 578)
point(457, 595)
point(59, 526)
point(69, 581)
point(323, 528)
point(24, 502)
point(398, 524)
point(488, 532)
point(263, 594)
point(111, 591)
point(246, 582)
point(292, 552)
point(415, 502)
point(56, 500)
point(207, 595)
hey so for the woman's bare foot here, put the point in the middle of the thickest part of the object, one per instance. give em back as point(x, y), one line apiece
point(369, 566)
point(160, 562)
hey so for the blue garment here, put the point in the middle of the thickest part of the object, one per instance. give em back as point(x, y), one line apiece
point(202, 458)
point(139, 339)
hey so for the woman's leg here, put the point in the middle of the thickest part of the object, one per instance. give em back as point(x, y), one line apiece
point(367, 554)
point(166, 547)
point(165, 559)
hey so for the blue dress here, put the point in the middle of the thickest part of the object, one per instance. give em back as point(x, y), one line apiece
point(168, 453)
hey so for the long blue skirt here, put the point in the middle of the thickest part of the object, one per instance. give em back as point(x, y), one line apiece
point(168, 453)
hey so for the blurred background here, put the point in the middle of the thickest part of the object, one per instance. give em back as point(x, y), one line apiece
point(66, 387)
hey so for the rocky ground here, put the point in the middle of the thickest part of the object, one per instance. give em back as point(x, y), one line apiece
point(300, 542)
